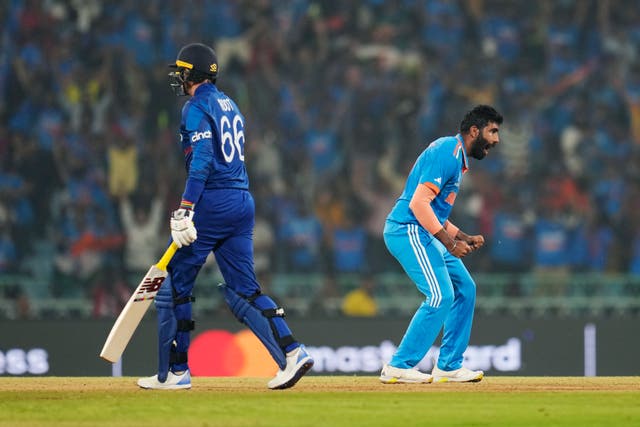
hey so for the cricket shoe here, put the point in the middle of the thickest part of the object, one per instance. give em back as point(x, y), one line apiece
point(393, 375)
point(298, 363)
point(173, 382)
point(462, 375)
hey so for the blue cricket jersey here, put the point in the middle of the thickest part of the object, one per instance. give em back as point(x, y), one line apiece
point(440, 166)
point(212, 137)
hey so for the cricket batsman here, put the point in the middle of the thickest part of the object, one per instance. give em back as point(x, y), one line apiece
point(216, 214)
point(429, 247)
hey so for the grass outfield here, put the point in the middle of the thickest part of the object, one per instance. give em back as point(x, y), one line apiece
point(322, 401)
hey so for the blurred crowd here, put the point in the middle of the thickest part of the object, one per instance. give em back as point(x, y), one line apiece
point(339, 97)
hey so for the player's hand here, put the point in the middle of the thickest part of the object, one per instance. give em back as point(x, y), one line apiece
point(460, 249)
point(183, 232)
point(475, 242)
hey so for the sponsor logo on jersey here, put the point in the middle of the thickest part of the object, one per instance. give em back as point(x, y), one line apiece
point(199, 135)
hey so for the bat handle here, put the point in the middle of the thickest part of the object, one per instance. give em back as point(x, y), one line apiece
point(166, 257)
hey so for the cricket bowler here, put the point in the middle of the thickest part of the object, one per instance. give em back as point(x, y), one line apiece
point(429, 247)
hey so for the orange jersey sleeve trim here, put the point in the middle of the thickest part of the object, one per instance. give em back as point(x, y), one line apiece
point(420, 205)
point(432, 186)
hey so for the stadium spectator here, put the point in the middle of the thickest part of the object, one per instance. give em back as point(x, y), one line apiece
point(109, 293)
point(360, 302)
point(141, 222)
point(301, 235)
point(349, 247)
point(509, 243)
point(8, 253)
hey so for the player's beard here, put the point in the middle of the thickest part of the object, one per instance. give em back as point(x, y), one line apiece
point(478, 147)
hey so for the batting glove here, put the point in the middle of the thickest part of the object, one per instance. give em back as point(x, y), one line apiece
point(183, 232)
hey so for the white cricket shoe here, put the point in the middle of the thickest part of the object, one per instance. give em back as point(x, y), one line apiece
point(393, 375)
point(173, 382)
point(298, 363)
point(462, 375)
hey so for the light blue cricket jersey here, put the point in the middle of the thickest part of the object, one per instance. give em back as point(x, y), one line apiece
point(441, 166)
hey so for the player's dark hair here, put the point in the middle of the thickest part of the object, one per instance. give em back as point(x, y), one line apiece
point(196, 76)
point(480, 116)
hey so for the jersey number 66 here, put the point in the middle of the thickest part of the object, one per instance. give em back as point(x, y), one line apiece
point(232, 138)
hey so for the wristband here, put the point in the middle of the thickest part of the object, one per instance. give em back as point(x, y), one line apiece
point(185, 204)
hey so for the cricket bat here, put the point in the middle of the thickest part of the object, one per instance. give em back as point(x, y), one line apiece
point(136, 307)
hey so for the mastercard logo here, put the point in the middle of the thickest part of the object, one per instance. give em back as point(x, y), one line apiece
point(219, 353)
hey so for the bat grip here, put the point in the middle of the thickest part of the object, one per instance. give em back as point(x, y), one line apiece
point(166, 257)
